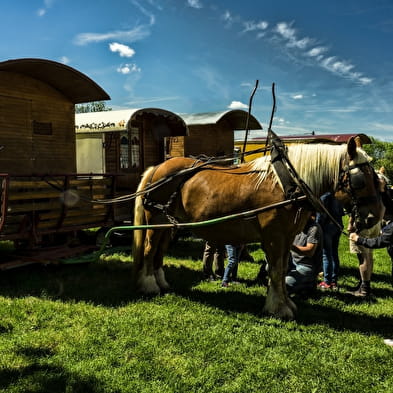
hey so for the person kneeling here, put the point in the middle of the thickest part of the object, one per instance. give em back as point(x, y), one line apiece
point(305, 259)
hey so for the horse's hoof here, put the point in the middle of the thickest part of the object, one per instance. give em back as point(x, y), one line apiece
point(160, 279)
point(148, 285)
point(284, 313)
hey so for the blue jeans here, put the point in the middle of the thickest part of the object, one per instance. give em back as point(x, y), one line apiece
point(233, 253)
point(300, 278)
point(330, 258)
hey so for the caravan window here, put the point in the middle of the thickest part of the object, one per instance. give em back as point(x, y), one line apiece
point(135, 148)
point(130, 150)
point(124, 148)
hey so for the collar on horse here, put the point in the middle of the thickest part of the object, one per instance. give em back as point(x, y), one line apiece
point(292, 183)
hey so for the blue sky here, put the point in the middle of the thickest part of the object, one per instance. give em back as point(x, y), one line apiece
point(331, 61)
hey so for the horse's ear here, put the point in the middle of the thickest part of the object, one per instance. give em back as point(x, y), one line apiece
point(358, 141)
point(351, 148)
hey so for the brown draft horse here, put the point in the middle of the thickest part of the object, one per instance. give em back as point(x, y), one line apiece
point(208, 191)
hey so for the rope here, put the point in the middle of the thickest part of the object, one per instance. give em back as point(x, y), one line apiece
point(190, 225)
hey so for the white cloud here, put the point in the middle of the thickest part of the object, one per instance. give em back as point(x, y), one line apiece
point(194, 3)
point(138, 33)
point(286, 31)
point(301, 44)
point(317, 51)
point(150, 16)
point(47, 4)
point(338, 67)
point(227, 17)
point(123, 50)
point(364, 80)
point(64, 60)
point(237, 105)
point(344, 69)
point(128, 68)
point(255, 26)
point(383, 127)
point(298, 97)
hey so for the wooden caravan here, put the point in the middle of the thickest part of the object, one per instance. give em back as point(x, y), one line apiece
point(125, 142)
point(259, 142)
point(41, 192)
point(211, 134)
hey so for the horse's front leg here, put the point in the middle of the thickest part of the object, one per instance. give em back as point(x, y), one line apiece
point(278, 304)
point(146, 279)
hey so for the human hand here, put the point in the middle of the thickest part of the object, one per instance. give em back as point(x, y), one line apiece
point(353, 236)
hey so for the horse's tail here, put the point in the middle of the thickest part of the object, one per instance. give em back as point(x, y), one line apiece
point(140, 219)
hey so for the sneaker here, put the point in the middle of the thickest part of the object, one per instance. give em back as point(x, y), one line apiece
point(334, 287)
point(324, 286)
point(224, 284)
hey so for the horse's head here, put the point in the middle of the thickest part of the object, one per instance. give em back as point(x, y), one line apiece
point(358, 188)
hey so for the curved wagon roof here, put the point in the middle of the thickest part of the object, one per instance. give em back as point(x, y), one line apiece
point(76, 86)
point(122, 119)
point(237, 119)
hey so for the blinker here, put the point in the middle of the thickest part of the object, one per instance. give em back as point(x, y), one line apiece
point(357, 179)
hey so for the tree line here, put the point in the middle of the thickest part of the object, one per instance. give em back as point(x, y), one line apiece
point(382, 153)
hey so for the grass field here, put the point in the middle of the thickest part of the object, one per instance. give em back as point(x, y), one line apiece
point(82, 328)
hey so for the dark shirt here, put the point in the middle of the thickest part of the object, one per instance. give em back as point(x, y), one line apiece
point(382, 241)
point(334, 208)
point(312, 233)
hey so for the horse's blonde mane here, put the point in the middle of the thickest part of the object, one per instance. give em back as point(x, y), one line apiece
point(314, 163)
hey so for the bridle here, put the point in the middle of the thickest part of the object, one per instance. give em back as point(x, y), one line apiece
point(351, 181)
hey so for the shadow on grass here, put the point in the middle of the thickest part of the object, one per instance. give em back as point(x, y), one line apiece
point(354, 272)
point(111, 284)
point(309, 314)
point(101, 284)
point(44, 377)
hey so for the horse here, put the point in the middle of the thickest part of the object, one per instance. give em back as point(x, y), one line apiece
point(187, 190)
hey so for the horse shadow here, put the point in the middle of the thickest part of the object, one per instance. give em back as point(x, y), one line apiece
point(309, 312)
point(111, 285)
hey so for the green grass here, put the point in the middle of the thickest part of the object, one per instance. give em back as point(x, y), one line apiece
point(83, 328)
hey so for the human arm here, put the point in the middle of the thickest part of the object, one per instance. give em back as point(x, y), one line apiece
point(308, 247)
point(382, 241)
point(308, 250)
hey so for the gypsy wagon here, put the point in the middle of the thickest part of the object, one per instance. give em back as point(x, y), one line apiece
point(211, 134)
point(42, 194)
point(125, 142)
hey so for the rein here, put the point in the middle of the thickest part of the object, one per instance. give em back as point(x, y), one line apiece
point(349, 183)
point(205, 161)
point(302, 186)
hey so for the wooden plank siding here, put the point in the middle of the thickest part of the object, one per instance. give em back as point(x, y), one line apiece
point(212, 140)
point(26, 105)
point(36, 207)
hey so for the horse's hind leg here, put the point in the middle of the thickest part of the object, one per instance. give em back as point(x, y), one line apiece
point(159, 260)
point(146, 279)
